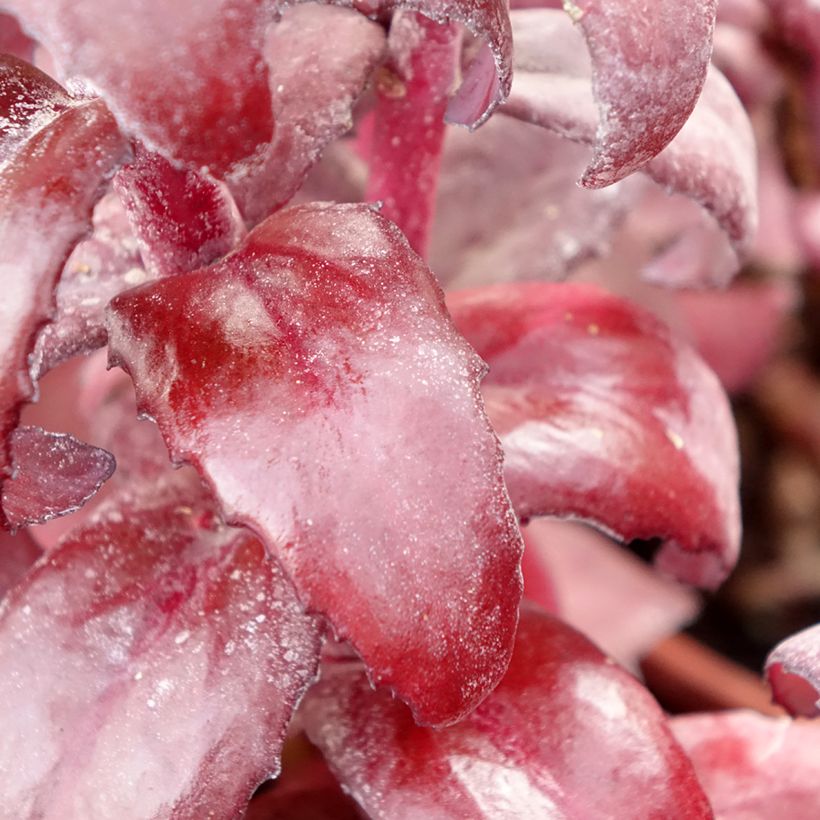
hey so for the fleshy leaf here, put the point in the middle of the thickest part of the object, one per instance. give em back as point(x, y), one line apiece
point(603, 591)
point(538, 224)
point(753, 766)
point(52, 474)
point(793, 671)
point(710, 155)
point(567, 734)
point(183, 219)
point(56, 155)
point(151, 665)
point(17, 553)
point(412, 93)
point(320, 386)
point(314, 88)
point(100, 266)
point(13, 40)
point(605, 417)
point(188, 80)
point(649, 64)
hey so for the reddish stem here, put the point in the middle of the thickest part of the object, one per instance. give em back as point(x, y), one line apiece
point(412, 92)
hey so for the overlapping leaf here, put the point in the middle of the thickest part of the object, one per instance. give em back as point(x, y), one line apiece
point(319, 385)
point(183, 219)
point(150, 667)
point(709, 156)
point(604, 416)
point(567, 734)
point(55, 153)
point(314, 88)
point(188, 80)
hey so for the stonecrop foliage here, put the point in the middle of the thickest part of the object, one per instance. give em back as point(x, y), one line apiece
point(356, 351)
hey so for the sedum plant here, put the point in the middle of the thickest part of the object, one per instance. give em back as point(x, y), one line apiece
point(362, 361)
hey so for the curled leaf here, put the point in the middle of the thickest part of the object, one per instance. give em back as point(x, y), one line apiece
point(606, 417)
point(710, 156)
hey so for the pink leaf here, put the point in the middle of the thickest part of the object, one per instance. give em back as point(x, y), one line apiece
point(151, 666)
point(324, 341)
point(604, 416)
point(567, 733)
point(314, 89)
point(709, 156)
point(412, 93)
point(603, 591)
point(52, 474)
point(183, 219)
point(100, 267)
point(56, 153)
point(649, 66)
point(188, 80)
point(538, 224)
point(752, 766)
point(793, 671)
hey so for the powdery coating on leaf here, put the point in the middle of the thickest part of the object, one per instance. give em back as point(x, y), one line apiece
point(649, 65)
point(55, 154)
point(605, 592)
point(567, 734)
point(100, 266)
point(17, 553)
point(752, 766)
point(187, 79)
point(320, 387)
point(605, 417)
point(533, 221)
point(314, 88)
point(793, 672)
point(150, 669)
point(486, 82)
point(52, 474)
point(183, 219)
point(412, 92)
point(712, 159)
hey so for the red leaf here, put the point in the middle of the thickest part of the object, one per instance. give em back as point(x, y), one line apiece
point(709, 156)
point(13, 40)
point(567, 733)
point(412, 93)
point(319, 385)
point(151, 666)
point(752, 766)
point(56, 154)
point(793, 671)
point(605, 417)
point(188, 80)
point(52, 474)
point(314, 88)
point(183, 219)
point(17, 553)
